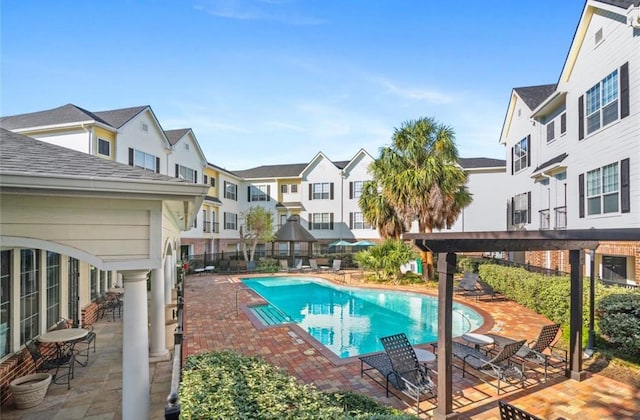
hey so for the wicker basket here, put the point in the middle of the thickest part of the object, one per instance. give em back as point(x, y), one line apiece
point(29, 390)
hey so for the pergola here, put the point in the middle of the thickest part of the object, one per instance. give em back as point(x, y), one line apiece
point(447, 244)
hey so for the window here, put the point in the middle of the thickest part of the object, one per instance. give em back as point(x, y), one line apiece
point(521, 204)
point(294, 188)
point(29, 294)
point(520, 154)
point(602, 103)
point(356, 221)
point(320, 191)
point(93, 282)
point(284, 188)
point(5, 307)
point(104, 147)
point(563, 123)
point(355, 189)
point(259, 193)
point(186, 173)
point(321, 221)
point(230, 191)
point(551, 131)
point(230, 221)
point(205, 179)
point(614, 268)
point(53, 288)
point(143, 160)
point(603, 190)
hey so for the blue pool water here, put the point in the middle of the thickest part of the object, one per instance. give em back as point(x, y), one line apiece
point(350, 321)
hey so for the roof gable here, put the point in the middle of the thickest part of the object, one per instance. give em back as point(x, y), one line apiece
point(66, 114)
point(535, 95)
point(119, 117)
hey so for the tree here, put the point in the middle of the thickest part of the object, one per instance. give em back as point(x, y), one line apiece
point(421, 178)
point(378, 212)
point(386, 258)
point(256, 226)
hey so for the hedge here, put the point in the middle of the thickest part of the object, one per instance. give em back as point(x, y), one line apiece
point(228, 385)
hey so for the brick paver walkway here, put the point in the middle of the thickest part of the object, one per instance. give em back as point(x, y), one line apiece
point(213, 323)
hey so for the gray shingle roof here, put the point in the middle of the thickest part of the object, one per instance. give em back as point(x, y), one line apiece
point(481, 162)
point(65, 114)
point(551, 161)
point(22, 154)
point(174, 135)
point(621, 3)
point(119, 117)
point(535, 95)
point(273, 171)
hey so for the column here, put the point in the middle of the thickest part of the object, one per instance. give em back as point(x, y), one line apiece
point(170, 270)
point(135, 347)
point(576, 260)
point(158, 343)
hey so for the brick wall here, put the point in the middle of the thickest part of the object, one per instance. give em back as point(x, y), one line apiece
point(89, 314)
point(16, 366)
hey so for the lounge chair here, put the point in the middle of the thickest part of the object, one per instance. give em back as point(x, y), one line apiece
point(284, 266)
point(57, 360)
point(511, 412)
point(484, 290)
point(534, 352)
point(313, 265)
point(297, 266)
point(468, 283)
point(335, 268)
point(499, 367)
point(400, 367)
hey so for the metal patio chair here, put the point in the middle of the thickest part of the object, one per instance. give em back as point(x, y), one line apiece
point(50, 361)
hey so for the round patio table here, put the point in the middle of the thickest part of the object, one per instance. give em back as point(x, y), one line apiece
point(63, 336)
point(477, 339)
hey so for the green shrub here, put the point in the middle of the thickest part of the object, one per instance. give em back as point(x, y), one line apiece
point(620, 321)
point(385, 259)
point(225, 385)
point(267, 265)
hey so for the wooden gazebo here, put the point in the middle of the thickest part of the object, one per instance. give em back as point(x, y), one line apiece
point(447, 244)
point(292, 232)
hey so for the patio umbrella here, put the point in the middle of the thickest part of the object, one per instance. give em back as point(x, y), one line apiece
point(363, 243)
point(340, 243)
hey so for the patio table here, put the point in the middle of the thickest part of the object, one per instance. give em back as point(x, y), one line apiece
point(64, 339)
point(477, 340)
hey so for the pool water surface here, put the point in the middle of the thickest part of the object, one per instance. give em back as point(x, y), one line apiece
point(350, 321)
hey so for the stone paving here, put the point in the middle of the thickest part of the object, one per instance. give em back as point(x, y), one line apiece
point(213, 321)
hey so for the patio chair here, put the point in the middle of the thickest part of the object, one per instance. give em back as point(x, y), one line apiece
point(485, 290)
point(284, 266)
point(113, 304)
point(511, 412)
point(313, 265)
point(335, 268)
point(499, 367)
point(399, 366)
point(50, 361)
point(86, 341)
point(534, 351)
point(297, 265)
point(468, 283)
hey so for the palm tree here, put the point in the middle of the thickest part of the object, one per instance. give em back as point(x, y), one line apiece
point(377, 211)
point(421, 178)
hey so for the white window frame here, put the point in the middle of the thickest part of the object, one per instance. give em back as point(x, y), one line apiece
point(230, 190)
point(321, 191)
point(230, 221)
point(603, 190)
point(258, 193)
point(144, 160)
point(187, 173)
point(602, 102)
point(358, 187)
point(520, 155)
point(321, 221)
point(29, 294)
point(521, 209)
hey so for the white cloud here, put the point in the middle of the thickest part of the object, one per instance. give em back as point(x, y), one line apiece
point(272, 10)
point(419, 94)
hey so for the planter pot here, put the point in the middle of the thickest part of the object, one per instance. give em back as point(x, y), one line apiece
point(29, 391)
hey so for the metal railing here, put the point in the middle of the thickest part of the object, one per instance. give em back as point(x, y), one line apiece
point(561, 217)
point(172, 409)
point(545, 219)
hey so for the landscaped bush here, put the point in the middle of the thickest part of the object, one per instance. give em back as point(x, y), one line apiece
point(385, 259)
point(620, 321)
point(227, 385)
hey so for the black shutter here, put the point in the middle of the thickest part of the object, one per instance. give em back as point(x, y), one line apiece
point(310, 191)
point(249, 193)
point(528, 150)
point(331, 220)
point(331, 192)
point(529, 207)
point(350, 220)
point(195, 176)
point(512, 161)
point(235, 220)
point(177, 171)
point(310, 219)
point(157, 164)
point(268, 192)
point(624, 90)
point(581, 119)
point(581, 195)
point(131, 157)
point(625, 187)
point(350, 190)
point(513, 210)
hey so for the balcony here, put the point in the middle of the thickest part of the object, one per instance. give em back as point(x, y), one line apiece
point(545, 219)
point(211, 227)
point(561, 217)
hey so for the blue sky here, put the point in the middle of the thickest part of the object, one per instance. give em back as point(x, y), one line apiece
point(276, 81)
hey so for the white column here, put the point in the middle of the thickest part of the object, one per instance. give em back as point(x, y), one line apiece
point(135, 347)
point(158, 343)
point(170, 268)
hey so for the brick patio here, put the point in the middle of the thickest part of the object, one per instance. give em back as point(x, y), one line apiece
point(213, 323)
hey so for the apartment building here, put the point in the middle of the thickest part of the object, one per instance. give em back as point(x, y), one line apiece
point(572, 146)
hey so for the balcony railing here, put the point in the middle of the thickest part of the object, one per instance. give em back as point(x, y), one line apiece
point(561, 217)
point(211, 227)
point(545, 219)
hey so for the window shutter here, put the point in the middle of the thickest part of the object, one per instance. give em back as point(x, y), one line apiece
point(529, 207)
point(195, 176)
point(581, 195)
point(177, 171)
point(350, 190)
point(581, 119)
point(310, 219)
point(331, 220)
point(130, 156)
point(249, 194)
point(268, 192)
point(157, 164)
point(513, 210)
point(625, 187)
point(512, 162)
point(331, 192)
point(350, 220)
point(624, 90)
point(235, 220)
point(528, 150)
point(310, 191)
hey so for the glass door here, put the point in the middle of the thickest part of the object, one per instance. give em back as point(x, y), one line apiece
point(74, 297)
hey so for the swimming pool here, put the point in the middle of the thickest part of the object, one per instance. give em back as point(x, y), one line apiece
point(350, 321)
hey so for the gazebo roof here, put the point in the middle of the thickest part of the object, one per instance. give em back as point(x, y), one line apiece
point(292, 231)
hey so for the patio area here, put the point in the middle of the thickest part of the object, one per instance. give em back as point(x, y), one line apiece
point(211, 323)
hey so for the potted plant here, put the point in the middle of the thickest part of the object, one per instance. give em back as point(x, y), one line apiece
point(29, 390)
